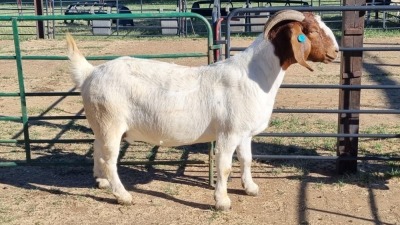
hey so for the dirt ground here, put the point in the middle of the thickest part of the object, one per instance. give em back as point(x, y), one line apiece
point(291, 191)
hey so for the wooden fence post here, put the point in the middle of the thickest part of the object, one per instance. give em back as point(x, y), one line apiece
point(39, 24)
point(350, 70)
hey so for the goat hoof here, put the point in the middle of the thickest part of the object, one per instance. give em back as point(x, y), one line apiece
point(252, 190)
point(125, 199)
point(102, 183)
point(223, 205)
point(124, 202)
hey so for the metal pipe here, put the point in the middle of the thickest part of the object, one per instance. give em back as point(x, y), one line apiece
point(343, 49)
point(312, 157)
point(85, 163)
point(326, 135)
point(343, 111)
point(21, 85)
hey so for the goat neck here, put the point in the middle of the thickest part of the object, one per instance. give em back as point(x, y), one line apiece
point(262, 65)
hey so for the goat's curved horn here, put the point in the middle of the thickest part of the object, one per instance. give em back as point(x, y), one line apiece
point(282, 16)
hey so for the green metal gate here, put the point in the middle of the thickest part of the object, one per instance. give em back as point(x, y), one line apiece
point(25, 119)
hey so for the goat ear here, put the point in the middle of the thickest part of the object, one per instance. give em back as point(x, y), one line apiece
point(301, 46)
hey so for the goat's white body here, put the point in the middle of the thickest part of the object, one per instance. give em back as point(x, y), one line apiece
point(171, 105)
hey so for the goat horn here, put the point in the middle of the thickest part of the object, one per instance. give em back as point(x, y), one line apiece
point(282, 16)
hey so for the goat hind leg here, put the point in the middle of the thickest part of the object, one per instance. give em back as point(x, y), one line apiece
point(108, 161)
point(98, 173)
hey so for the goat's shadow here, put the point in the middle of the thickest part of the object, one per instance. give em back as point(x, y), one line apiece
point(53, 179)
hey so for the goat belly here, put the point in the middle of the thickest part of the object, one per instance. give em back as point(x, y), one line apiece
point(170, 126)
point(176, 138)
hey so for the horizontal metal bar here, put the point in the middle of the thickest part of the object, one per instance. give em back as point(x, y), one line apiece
point(110, 57)
point(335, 86)
point(158, 56)
point(312, 157)
point(60, 141)
point(8, 164)
point(42, 94)
point(11, 118)
point(294, 157)
point(237, 11)
point(189, 162)
point(9, 141)
point(371, 111)
point(237, 49)
point(304, 86)
point(86, 163)
point(45, 141)
point(17, 94)
point(9, 94)
point(364, 49)
point(325, 135)
point(102, 16)
point(7, 57)
point(36, 118)
point(370, 49)
point(345, 111)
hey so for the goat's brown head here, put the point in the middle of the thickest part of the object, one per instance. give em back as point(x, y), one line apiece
point(300, 37)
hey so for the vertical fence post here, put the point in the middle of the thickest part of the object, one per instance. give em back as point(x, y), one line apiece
point(350, 70)
point(21, 85)
point(39, 24)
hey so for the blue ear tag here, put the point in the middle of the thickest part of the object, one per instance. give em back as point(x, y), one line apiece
point(301, 38)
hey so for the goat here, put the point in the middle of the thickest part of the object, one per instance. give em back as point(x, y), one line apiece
point(171, 105)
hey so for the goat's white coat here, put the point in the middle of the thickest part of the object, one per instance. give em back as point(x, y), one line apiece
point(170, 105)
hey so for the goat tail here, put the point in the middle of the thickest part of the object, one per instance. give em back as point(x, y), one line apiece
point(80, 67)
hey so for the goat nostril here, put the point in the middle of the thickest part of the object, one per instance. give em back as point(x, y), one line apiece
point(336, 50)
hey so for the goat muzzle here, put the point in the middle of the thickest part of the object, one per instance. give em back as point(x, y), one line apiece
point(331, 55)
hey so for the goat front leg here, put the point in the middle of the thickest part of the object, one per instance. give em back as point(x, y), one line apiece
point(224, 151)
point(244, 154)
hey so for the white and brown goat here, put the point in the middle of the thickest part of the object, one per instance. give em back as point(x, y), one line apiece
point(170, 105)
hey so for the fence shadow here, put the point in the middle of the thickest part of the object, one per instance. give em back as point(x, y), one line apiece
point(371, 176)
point(381, 77)
point(52, 179)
